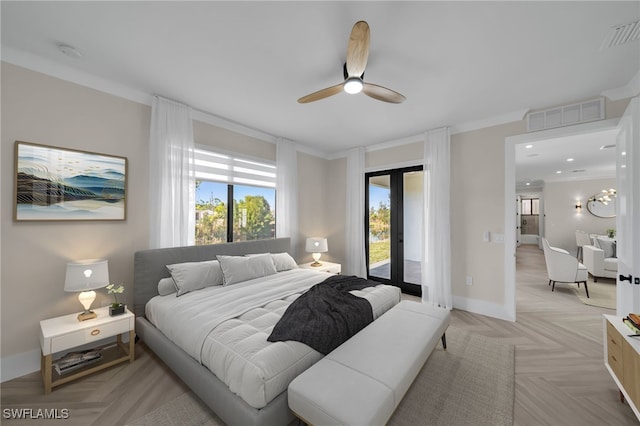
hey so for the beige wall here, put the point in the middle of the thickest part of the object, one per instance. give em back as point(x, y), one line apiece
point(335, 207)
point(561, 217)
point(42, 109)
point(477, 205)
point(312, 193)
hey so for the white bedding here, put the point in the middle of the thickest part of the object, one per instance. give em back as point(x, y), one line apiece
point(226, 329)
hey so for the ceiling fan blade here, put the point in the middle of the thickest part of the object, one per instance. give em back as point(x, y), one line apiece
point(321, 94)
point(382, 93)
point(358, 49)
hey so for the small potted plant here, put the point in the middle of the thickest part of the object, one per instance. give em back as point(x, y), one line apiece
point(611, 233)
point(116, 308)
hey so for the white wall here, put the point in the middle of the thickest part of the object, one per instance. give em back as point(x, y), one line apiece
point(562, 218)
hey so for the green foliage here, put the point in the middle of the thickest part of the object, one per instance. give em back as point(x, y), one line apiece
point(252, 220)
point(379, 221)
point(379, 230)
point(378, 251)
point(211, 222)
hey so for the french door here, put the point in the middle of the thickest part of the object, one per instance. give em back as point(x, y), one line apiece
point(393, 227)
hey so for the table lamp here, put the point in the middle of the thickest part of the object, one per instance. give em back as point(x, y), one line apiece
point(316, 246)
point(85, 276)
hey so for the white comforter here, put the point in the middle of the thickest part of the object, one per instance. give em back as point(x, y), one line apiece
point(226, 329)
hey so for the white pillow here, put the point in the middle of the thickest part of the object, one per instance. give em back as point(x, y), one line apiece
point(283, 261)
point(236, 269)
point(606, 245)
point(166, 286)
point(191, 276)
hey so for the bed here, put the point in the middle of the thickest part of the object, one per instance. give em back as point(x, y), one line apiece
point(212, 363)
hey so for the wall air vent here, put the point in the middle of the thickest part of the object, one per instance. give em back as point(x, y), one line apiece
point(621, 34)
point(567, 115)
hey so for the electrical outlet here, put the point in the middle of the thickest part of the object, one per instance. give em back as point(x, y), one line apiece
point(469, 280)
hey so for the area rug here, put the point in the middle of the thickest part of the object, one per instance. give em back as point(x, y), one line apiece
point(471, 383)
point(601, 294)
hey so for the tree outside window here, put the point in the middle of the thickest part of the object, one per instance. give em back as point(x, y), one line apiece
point(252, 213)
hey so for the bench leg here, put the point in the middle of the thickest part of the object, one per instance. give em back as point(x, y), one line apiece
point(444, 341)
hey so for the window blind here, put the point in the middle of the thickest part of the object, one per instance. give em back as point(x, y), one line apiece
point(232, 169)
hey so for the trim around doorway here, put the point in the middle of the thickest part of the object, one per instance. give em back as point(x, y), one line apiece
point(510, 194)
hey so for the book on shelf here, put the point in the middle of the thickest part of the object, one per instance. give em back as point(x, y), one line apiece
point(75, 360)
point(633, 322)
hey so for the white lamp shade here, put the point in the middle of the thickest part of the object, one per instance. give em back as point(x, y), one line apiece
point(86, 275)
point(316, 245)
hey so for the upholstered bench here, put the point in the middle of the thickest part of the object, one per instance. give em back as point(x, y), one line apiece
point(363, 380)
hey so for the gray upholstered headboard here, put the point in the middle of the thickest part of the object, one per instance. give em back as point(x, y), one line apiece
point(150, 265)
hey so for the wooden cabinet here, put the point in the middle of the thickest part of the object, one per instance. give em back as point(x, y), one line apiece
point(622, 359)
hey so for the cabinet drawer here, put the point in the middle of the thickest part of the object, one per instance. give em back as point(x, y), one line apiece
point(614, 350)
point(87, 335)
point(631, 372)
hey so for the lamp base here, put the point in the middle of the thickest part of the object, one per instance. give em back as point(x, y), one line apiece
point(316, 264)
point(87, 315)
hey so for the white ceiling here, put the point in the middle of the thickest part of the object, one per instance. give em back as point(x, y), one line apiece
point(539, 162)
point(457, 63)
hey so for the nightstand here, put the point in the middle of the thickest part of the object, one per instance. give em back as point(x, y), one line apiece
point(66, 332)
point(332, 268)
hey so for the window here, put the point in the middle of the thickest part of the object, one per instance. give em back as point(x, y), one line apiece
point(235, 198)
point(530, 206)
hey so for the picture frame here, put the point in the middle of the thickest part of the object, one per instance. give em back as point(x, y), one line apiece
point(62, 184)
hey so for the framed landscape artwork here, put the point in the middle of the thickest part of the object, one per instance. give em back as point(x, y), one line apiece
point(64, 184)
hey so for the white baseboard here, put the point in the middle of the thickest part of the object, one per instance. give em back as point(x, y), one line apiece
point(18, 365)
point(482, 307)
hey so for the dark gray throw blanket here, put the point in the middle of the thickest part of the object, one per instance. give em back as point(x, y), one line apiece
point(326, 315)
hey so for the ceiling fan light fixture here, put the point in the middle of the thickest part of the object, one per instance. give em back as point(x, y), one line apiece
point(353, 85)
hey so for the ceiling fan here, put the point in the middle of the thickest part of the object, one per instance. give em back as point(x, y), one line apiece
point(357, 54)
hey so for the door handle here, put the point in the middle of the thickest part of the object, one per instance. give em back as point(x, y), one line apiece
point(627, 278)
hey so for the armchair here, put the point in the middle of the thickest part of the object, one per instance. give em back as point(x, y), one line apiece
point(563, 267)
point(598, 265)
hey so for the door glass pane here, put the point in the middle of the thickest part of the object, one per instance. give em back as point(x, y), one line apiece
point(379, 226)
point(413, 227)
point(253, 213)
point(211, 212)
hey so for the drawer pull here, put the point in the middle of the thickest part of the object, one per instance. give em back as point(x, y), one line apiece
point(95, 332)
point(614, 358)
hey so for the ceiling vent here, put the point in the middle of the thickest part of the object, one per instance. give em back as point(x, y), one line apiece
point(621, 34)
point(567, 115)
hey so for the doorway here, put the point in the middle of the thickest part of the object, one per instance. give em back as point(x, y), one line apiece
point(609, 125)
point(394, 228)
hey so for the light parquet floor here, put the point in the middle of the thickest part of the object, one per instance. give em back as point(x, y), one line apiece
point(560, 376)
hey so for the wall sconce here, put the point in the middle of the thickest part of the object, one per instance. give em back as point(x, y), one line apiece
point(578, 206)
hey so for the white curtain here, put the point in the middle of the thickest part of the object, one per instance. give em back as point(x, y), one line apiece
point(172, 175)
point(436, 262)
point(355, 253)
point(287, 192)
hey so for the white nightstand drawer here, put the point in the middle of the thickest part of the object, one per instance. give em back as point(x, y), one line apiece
point(80, 337)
